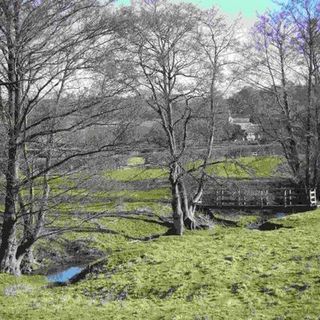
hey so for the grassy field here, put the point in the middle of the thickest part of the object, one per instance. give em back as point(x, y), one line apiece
point(221, 273)
point(246, 167)
point(241, 168)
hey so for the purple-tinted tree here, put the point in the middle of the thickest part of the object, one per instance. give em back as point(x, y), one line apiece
point(284, 54)
point(305, 17)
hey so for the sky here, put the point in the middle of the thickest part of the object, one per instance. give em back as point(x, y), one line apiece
point(247, 8)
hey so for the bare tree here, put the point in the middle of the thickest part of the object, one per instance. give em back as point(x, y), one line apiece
point(45, 48)
point(178, 51)
point(305, 17)
point(285, 59)
point(217, 43)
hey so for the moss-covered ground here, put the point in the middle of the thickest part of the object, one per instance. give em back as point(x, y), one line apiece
point(221, 273)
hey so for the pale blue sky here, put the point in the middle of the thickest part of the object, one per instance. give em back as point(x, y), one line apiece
point(247, 8)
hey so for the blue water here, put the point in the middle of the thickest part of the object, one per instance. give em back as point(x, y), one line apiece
point(64, 275)
point(280, 215)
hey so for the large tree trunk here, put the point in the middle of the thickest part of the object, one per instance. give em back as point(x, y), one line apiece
point(11, 264)
point(187, 208)
point(176, 201)
point(177, 213)
point(8, 249)
point(183, 210)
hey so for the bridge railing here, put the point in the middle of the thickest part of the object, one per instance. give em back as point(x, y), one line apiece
point(261, 198)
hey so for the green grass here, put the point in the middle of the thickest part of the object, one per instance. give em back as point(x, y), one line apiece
point(141, 195)
point(246, 167)
point(134, 226)
point(159, 209)
point(134, 161)
point(63, 181)
point(224, 273)
point(85, 207)
point(136, 174)
point(115, 233)
point(124, 200)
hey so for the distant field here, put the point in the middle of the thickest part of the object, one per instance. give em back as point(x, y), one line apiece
point(136, 174)
point(246, 167)
point(243, 167)
point(84, 199)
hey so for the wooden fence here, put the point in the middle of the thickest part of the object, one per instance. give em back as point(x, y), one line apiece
point(279, 197)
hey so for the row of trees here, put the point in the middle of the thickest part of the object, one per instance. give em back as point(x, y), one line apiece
point(68, 65)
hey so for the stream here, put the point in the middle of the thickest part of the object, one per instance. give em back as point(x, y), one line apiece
point(64, 275)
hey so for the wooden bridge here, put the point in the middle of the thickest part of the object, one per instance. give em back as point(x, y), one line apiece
point(286, 199)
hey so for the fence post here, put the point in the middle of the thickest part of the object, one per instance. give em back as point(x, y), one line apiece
point(285, 197)
point(313, 198)
point(290, 197)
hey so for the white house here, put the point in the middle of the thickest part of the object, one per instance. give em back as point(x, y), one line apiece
point(251, 129)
